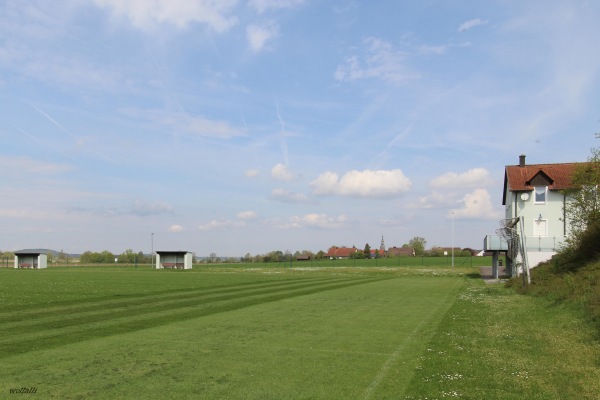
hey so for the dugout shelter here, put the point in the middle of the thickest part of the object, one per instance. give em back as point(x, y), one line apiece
point(30, 259)
point(174, 260)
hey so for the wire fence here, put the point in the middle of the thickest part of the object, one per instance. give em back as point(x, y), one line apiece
point(418, 261)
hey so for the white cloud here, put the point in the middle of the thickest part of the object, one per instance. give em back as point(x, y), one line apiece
point(317, 221)
point(258, 36)
point(367, 183)
point(438, 50)
point(33, 213)
point(465, 26)
point(247, 215)
point(71, 71)
point(186, 123)
point(263, 5)
point(220, 224)
point(475, 177)
point(381, 61)
point(201, 126)
point(251, 173)
point(175, 228)
point(281, 172)
point(148, 13)
point(433, 200)
point(326, 183)
point(398, 222)
point(26, 165)
point(477, 205)
point(289, 197)
point(144, 209)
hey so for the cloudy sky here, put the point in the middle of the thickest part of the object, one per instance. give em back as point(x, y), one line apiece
point(236, 127)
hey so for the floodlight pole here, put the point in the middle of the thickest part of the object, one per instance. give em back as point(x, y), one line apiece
point(452, 239)
point(151, 250)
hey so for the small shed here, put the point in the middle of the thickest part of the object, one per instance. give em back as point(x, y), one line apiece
point(174, 259)
point(30, 259)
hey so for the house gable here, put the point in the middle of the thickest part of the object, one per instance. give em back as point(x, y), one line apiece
point(523, 178)
point(540, 179)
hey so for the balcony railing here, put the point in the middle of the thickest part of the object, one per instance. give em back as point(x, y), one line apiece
point(545, 243)
point(533, 243)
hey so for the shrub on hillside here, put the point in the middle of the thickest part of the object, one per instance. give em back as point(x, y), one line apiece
point(585, 250)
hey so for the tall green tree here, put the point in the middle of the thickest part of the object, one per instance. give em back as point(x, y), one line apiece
point(129, 257)
point(108, 257)
point(418, 244)
point(367, 251)
point(582, 209)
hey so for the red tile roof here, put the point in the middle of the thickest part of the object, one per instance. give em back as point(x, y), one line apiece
point(341, 251)
point(401, 251)
point(518, 178)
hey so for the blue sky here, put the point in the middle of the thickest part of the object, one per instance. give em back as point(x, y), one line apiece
point(236, 127)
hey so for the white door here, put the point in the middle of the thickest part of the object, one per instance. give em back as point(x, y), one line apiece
point(540, 227)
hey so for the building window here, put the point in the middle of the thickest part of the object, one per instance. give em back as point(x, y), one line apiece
point(540, 194)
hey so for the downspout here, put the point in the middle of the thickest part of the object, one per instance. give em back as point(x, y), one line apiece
point(564, 214)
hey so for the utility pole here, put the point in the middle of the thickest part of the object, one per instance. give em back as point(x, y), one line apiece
point(151, 250)
point(452, 239)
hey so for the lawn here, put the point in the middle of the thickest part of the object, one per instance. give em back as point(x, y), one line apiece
point(274, 333)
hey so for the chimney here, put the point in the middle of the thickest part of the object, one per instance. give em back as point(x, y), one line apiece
point(522, 160)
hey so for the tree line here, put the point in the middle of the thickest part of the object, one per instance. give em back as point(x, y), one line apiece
point(129, 256)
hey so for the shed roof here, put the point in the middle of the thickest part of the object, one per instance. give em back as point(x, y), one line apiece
point(29, 252)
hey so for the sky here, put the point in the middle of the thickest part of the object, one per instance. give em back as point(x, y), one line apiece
point(235, 127)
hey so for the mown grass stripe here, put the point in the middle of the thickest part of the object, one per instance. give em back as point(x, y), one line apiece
point(43, 307)
point(129, 323)
point(444, 303)
point(76, 317)
point(147, 299)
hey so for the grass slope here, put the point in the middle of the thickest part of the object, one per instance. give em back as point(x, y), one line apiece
point(496, 344)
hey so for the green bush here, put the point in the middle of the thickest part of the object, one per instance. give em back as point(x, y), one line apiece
point(580, 251)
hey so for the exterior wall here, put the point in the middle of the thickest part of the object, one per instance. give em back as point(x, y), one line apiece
point(543, 235)
point(188, 261)
point(42, 261)
point(550, 228)
point(536, 257)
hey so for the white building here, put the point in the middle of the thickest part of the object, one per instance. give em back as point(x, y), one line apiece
point(174, 259)
point(30, 259)
point(534, 194)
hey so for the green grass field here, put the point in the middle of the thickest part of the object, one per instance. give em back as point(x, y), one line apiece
point(276, 333)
